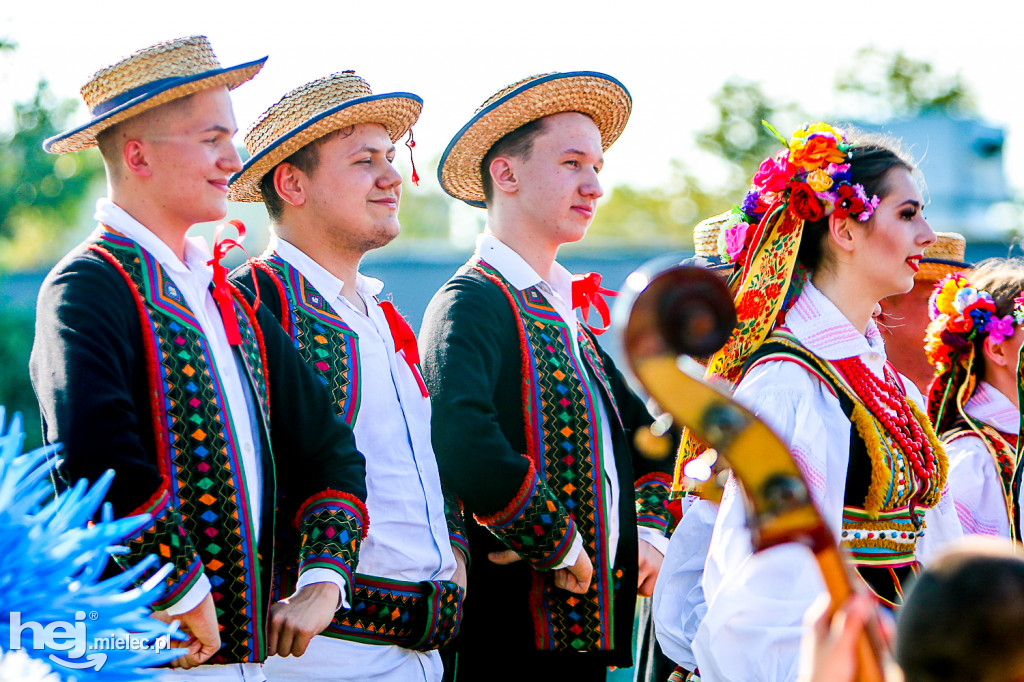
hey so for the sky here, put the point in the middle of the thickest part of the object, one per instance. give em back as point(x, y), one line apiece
point(672, 56)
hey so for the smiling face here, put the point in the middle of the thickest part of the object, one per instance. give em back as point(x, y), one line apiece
point(190, 156)
point(888, 249)
point(557, 187)
point(354, 192)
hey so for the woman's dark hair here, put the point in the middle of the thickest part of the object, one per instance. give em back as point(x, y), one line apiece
point(870, 159)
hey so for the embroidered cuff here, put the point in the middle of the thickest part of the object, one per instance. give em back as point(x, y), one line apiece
point(651, 496)
point(332, 524)
point(534, 524)
point(456, 522)
point(166, 537)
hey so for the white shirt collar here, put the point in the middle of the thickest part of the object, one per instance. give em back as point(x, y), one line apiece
point(518, 272)
point(197, 252)
point(826, 332)
point(322, 280)
point(988, 404)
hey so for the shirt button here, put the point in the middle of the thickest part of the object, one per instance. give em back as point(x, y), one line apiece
point(247, 448)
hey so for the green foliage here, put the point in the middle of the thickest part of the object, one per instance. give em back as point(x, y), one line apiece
point(40, 194)
point(893, 84)
point(423, 214)
point(16, 332)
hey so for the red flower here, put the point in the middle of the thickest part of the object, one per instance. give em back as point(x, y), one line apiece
point(847, 201)
point(773, 291)
point(753, 304)
point(803, 203)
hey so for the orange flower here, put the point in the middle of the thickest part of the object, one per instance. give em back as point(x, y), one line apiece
point(816, 151)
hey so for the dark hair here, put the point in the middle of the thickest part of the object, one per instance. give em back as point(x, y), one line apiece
point(963, 619)
point(306, 159)
point(1003, 278)
point(870, 161)
point(518, 143)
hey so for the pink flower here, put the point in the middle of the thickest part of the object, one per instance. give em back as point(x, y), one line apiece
point(774, 173)
point(736, 240)
point(1000, 330)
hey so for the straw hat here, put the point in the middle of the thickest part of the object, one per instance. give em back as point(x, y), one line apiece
point(946, 255)
point(150, 77)
point(310, 112)
point(597, 95)
point(705, 235)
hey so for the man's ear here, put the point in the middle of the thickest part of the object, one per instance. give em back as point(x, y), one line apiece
point(840, 232)
point(136, 161)
point(503, 175)
point(290, 183)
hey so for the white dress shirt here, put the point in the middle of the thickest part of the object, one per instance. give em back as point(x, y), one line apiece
point(974, 481)
point(756, 602)
point(408, 536)
point(193, 278)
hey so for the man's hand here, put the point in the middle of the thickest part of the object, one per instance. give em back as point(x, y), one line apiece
point(461, 576)
point(200, 624)
point(575, 578)
point(650, 566)
point(301, 617)
point(828, 650)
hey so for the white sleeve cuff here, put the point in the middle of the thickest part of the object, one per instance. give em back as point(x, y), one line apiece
point(574, 553)
point(326, 575)
point(191, 599)
point(654, 537)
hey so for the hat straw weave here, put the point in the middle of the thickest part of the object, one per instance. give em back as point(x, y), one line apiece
point(146, 79)
point(597, 95)
point(311, 111)
point(705, 235)
point(943, 257)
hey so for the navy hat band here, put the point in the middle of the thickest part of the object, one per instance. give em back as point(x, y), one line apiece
point(129, 95)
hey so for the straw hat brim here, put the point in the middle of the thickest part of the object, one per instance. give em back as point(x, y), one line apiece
point(396, 111)
point(597, 95)
point(934, 269)
point(84, 136)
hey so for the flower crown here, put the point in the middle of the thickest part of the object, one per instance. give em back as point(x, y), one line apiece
point(810, 174)
point(962, 313)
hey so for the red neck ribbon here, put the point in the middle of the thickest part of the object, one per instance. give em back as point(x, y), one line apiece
point(587, 291)
point(405, 340)
point(222, 291)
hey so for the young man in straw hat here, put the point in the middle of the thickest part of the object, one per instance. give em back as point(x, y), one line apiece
point(533, 424)
point(148, 362)
point(321, 161)
point(904, 318)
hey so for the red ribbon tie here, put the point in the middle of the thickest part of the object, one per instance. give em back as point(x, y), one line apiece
point(587, 291)
point(405, 341)
point(222, 293)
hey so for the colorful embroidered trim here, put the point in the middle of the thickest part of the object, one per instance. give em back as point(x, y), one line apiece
point(534, 524)
point(454, 517)
point(326, 343)
point(562, 429)
point(651, 497)
point(331, 524)
point(890, 539)
point(202, 461)
point(423, 616)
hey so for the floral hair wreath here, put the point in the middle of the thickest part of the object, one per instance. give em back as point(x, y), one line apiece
point(962, 313)
point(811, 173)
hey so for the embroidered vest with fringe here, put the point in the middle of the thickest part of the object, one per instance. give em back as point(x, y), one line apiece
point(883, 504)
point(563, 436)
point(199, 455)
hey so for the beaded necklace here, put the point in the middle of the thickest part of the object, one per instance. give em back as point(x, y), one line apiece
point(878, 395)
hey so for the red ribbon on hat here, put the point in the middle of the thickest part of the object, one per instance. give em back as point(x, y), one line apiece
point(405, 341)
point(222, 293)
point(587, 291)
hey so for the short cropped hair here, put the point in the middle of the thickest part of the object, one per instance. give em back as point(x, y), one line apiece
point(518, 144)
point(306, 159)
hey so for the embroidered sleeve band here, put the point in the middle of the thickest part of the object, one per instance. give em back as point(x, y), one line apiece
point(456, 522)
point(534, 524)
point(332, 524)
point(651, 502)
point(165, 536)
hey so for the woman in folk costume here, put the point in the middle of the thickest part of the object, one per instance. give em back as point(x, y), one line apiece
point(973, 341)
point(831, 226)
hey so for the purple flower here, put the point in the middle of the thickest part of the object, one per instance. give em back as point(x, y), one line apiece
point(750, 203)
point(999, 329)
point(840, 172)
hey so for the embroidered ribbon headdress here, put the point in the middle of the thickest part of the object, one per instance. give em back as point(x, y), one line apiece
point(808, 179)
